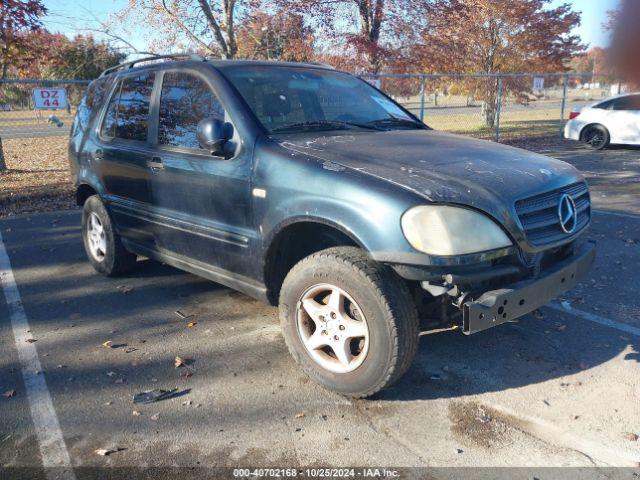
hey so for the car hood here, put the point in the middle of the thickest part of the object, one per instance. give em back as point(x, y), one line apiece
point(441, 167)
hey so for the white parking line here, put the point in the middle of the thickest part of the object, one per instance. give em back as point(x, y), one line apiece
point(55, 457)
point(592, 317)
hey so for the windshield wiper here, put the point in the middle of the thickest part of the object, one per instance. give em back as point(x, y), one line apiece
point(393, 120)
point(327, 124)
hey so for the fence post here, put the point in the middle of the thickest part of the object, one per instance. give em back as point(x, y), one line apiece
point(3, 164)
point(499, 109)
point(423, 88)
point(564, 103)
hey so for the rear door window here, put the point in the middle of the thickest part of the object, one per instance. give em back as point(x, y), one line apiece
point(127, 115)
point(185, 99)
point(630, 102)
point(604, 105)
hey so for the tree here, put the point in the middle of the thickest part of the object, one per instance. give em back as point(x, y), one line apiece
point(208, 26)
point(498, 36)
point(82, 58)
point(16, 17)
point(593, 62)
point(275, 37)
point(370, 28)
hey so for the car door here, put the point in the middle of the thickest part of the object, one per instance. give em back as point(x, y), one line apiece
point(625, 119)
point(123, 153)
point(202, 202)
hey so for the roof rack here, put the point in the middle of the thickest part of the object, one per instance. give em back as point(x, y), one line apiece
point(176, 56)
point(321, 64)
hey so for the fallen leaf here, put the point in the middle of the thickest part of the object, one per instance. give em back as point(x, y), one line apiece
point(136, 413)
point(186, 403)
point(155, 416)
point(632, 437)
point(107, 344)
point(108, 451)
point(192, 324)
point(484, 418)
point(299, 415)
point(9, 394)
point(180, 362)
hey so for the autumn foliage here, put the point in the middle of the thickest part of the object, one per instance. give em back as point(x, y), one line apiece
point(16, 18)
point(498, 36)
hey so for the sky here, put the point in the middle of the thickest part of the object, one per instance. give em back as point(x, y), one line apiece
point(74, 16)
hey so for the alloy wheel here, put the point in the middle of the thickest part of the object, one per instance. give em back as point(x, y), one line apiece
point(332, 328)
point(96, 237)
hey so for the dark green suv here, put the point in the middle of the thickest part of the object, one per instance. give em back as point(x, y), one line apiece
point(310, 189)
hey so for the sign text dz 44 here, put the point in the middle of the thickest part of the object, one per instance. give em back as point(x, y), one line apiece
point(49, 98)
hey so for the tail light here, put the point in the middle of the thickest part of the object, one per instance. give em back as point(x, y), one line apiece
point(573, 115)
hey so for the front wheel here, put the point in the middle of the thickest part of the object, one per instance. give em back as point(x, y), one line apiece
point(596, 136)
point(348, 321)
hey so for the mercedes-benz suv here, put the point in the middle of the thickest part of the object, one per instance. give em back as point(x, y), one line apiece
point(308, 188)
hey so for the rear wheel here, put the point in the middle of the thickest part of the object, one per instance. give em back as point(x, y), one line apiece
point(596, 136)
point(348, 321)
point(101, 242)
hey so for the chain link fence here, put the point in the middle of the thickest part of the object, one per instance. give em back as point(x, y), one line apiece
point(20, 119)
point(487, 106)
point(496, 106)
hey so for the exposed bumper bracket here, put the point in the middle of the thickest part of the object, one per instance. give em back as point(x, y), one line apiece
point(499, 306)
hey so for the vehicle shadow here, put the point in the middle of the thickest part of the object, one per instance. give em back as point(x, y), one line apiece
point(450, 364)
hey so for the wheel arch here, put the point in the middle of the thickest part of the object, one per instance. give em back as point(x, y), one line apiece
point(83, 192)
point(297, 239)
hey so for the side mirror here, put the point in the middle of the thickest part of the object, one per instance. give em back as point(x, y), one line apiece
point(212, 134)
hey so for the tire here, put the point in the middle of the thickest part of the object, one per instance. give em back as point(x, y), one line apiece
point(372, 293)
point(104, 250)
point(596, 136)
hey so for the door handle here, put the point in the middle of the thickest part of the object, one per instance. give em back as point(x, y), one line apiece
point(155, 164)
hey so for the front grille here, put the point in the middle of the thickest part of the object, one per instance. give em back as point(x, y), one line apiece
point(539, 214)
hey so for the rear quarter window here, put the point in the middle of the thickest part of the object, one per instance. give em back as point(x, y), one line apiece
point(127, 115)
point(89, 105)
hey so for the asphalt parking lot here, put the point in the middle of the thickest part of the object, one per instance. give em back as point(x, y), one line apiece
point(559, 388)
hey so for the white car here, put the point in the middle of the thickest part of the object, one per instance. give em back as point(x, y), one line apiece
point(615, 120)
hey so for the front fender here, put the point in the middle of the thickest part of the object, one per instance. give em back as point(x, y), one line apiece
point(295, 187)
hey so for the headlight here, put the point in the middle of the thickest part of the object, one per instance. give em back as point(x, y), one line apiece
point(445, 230)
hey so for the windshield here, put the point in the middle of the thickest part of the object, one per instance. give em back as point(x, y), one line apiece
point(302, 99)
